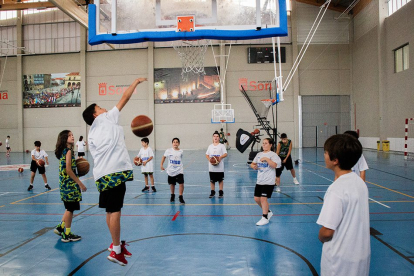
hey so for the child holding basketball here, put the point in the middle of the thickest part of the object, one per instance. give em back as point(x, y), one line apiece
point(265, 163)
point(174, 169)
point(147, 168)
point(38, 155)
point(361, 166)
point(112, 166)
point(81, 147)
point(216, 171)
point(284, 149)
point(70, 185)
point(345, 231)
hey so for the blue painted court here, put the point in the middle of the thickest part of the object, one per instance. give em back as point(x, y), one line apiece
point(204, 236)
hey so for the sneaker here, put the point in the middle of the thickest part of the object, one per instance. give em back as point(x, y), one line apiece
point(212, 194)
point(221, 194)
point(47, 187)
point(70, 237)
point(145, 189)
point(30, 187)
point(117, 258)
point(295, 181)
point(58, 230)
point(181, 199)
point(172, 199)
point(153, 189)
point(269, 215)
point(278, 189)
point(123, 248)
point(262, 221)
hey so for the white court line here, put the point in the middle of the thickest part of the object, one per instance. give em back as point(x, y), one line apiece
point(380, 203)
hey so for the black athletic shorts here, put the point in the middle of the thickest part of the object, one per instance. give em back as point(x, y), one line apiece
point(288, 165)
point(216, 177)
point(81, 154)
point(147, 173)
point(113, 198)
point(263, 190)
point(7, 148)
point(71, 206)
point(34, 167)
point(179, 178)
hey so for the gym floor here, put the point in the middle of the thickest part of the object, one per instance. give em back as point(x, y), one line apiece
point(204, 236)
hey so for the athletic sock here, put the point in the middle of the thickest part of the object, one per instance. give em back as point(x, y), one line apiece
point(67, 231)
point(265, 216)
point(45, 184)
point(62, 224)
point(117, 249)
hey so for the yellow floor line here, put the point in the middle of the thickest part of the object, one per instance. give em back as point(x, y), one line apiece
point(35, 196)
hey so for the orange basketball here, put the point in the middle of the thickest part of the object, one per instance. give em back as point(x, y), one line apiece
point(137, 161)
point(214, 160)
point(40, 163)
point(27, 151)
point(1, 143)
point(20, 170)
point(82, 165)
point(142, 126)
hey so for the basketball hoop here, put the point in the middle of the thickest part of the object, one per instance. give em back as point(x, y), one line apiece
point(222, 113)
point(191, 53)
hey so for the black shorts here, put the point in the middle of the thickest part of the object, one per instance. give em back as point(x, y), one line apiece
point(113, 198)
point(7, 148)
point(72, 206)
point(81, 154)
point(288, 165)
point(34, 167)
point(179, 178)
point(263, 190)
point(147, 173)
point(216, 176)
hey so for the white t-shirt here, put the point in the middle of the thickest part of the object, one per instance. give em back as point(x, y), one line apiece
point(107, 145)
point(39, 154)
point(216, 151)
point(175, 163)
point(345, 209)
point(145, 154)
point(7, 143)
point(81, 145)
point(360, 166)
point(266, 175)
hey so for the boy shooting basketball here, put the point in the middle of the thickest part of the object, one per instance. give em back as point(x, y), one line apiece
point(112, 166)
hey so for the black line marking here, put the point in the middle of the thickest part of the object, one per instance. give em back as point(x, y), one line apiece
point(311, 268)
point(85, 210)
point(38, 234)
point(320, 198)
point(391, 173)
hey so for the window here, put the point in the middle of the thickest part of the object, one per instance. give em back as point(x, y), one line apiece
point(401, 59)
point(394, 5)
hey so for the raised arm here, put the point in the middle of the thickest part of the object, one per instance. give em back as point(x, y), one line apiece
point(128, 93)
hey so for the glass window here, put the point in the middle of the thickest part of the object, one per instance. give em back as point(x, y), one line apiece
point(401, 58)
point(394, 5)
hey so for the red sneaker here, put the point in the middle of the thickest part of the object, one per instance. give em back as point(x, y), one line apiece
point(123, 248)
point(117, 258)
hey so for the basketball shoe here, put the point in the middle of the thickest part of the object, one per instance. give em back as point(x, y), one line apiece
point(123, 249)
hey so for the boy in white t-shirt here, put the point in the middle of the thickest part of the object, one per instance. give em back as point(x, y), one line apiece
point(265, 163)
point(175, 169)
point(112, 166)
point(38, 154)
point(81, 147)
point(8, 149)
point(345, 231)
point(147, 167)
point(361, 166)
point(216, 172)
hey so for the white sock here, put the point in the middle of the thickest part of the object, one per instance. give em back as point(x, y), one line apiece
point(117, 249)
point(45, 184)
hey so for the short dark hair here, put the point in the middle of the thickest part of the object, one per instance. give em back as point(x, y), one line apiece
point(353, 133)
point(37, 143)
point(283, 135)
point(216, 132)
point(88, 114)
point(145, 140)
point(175, 139)
point(8, 136)
point(81, 138)
point(345, 148)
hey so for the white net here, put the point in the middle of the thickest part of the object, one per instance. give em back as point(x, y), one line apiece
point(191, 53)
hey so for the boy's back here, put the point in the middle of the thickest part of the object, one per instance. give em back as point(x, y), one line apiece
point(345, 210)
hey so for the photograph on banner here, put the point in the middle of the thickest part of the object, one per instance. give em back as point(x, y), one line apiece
point(169, 86)
point(52, 90)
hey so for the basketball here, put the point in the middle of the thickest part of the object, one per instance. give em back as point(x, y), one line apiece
point(40, 163)
point(27, 151)
point(137, 161)
point(1, 143)
point(20, 170)
point(214, 160)
point(256, 131)
point(82, 165)
point(142, 126)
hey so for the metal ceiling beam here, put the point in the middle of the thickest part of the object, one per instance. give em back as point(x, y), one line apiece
point(320, 3)
point(13, 5)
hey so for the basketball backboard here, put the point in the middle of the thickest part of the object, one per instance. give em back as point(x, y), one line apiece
point(126, 21)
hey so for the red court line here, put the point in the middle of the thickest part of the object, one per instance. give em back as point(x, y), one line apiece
point(176, 215)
